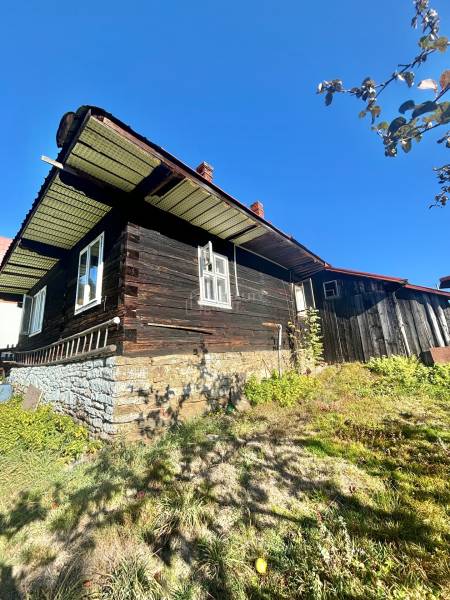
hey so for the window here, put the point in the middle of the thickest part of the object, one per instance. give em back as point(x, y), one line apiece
point(26, 314)
point(330, 289)
point(304, 296)
point(33, 313)
point(90, 275)
point(214, 278)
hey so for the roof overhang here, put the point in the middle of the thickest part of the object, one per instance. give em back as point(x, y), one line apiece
point(403, 283)
point(103, 163)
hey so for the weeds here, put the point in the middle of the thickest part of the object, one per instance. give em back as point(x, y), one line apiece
point(339, 481)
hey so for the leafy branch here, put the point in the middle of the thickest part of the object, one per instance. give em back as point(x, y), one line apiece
point(425, 116)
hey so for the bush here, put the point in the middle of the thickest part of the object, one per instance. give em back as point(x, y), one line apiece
point(285, 390)
point(41, 430)
point(405, 375)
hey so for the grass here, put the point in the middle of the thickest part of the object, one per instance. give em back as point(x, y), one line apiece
point(341, 486)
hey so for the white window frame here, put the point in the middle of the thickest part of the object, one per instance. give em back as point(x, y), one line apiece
point(98, 297)
point(204, 301)
point(336, 285)
point(299, 292)
point(36, 320)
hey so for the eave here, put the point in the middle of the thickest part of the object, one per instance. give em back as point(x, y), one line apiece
point(104, 164)
point(401, 282)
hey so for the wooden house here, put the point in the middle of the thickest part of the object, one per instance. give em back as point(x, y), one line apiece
point(149, 293)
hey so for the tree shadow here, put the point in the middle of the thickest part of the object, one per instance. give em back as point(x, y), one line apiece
point(201, 448)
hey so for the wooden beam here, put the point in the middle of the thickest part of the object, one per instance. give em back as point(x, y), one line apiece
point(11, 297)
point(43, 249)
point(95, 189)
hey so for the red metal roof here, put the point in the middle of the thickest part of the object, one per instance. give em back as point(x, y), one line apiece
point(365, 274)
point(403, 282)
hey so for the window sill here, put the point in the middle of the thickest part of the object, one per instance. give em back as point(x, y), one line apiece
point(34, 333)
point(214, 304)
point(91, 304)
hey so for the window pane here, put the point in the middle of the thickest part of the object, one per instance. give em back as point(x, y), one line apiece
point(209, 287)
point(330, 288)
point(93, 270)
point(82, 278)
point(26, 314)
point(309, 295)
point(222, 291)
point(300, 298)
point(220, 265)
point(33, 314)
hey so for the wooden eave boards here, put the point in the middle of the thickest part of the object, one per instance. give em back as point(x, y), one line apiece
point(64, 215)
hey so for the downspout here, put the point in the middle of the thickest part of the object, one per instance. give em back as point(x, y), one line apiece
point(279, 327)
point(280, 338)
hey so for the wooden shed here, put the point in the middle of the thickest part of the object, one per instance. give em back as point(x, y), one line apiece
point(368, 315)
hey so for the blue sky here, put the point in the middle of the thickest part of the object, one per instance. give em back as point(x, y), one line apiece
point(234, 84)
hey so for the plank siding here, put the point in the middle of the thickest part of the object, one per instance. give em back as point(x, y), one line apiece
point(366, 320)
point(59, 314)
point(162, 270)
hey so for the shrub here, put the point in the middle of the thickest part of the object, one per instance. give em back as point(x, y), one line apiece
point(41, 430)
point(408, 375)
point(285, 390)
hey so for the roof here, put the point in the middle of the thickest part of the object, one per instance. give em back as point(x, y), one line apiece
point(102, 153)
point(4, 245)
point(104, 163)
point(444, 282)
point(400, 281)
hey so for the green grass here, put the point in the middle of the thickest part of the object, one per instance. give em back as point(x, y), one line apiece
point(341, 486)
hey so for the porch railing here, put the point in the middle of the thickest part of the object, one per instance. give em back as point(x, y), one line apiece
point(88, 343)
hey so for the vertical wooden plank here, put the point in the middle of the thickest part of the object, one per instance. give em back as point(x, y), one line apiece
point(433, 321)
point(385, 325)
point(436, 302)
point(410, 326)
point(401, 325)
point(363, 325)
point(425, 335)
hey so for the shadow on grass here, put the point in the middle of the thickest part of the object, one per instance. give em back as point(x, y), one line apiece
point(112, 473)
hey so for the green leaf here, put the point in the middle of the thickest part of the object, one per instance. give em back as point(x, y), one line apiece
point(408, 105)
point(362, 114)
point(442, 114)
point(406, 145)
point(424, 42)
point(375, 111)
point(396, 124)
point(441, 44)
point(409, 78)
point(423, 108)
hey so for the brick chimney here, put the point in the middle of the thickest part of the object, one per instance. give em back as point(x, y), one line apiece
point(258, 208)
point(205, 170)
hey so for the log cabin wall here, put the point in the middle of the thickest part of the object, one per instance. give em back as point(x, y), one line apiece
point(162, 286)
point(59, 314)
point(374, 318)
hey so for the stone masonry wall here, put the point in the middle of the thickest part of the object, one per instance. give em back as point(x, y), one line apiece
point(154, 392)
point(83, 390)
point(136, 396)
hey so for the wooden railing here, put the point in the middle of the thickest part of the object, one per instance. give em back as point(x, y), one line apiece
point(88, 343)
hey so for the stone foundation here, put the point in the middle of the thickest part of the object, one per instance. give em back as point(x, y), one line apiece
point(136, 396)
point(84, 390)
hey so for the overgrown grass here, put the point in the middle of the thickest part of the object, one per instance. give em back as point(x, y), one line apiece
point(339, 481)
point(41, 430)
